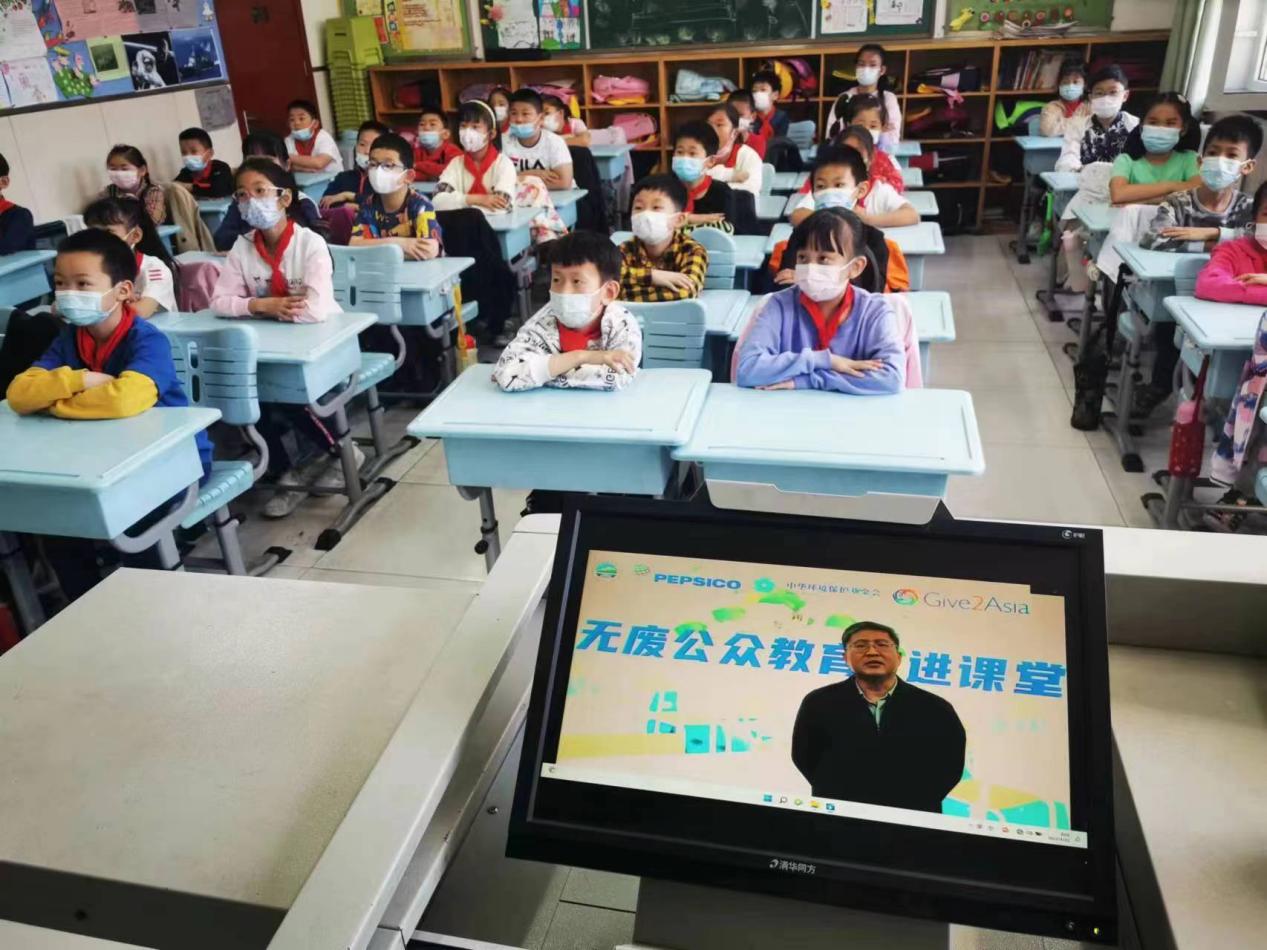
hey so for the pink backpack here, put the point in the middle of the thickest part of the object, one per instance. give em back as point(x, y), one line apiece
point(639, 128)
point(622, 87)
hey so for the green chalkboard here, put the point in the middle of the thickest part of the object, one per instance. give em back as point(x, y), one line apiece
point(620, 24)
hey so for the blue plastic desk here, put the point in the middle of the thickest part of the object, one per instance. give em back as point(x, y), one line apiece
point(750, 309)
point(166, 232)
point(934, 323)
point(1225, 332)
point(512, 230)
point(907, 148)
point(611, 160)
point(298, 362)
point(786, 183)
point(426, 288)
point(779, 233)
point(1094, 217)
point(750, 249)
point(23, 276)
point(1063, 186)
point(724, 311)
point(1063, 182)
point(313, 184)
point(565, 203)
point(917, 241)
point(425, 187)
point(1038, 155)
point(924, 202)
point(1155, 273)
point(213, 210)
point(912, 177)
point(814, 452)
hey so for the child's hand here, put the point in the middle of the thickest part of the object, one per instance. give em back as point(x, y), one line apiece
point(420, 249)
point(1191, 234)
point(1252, 280)
point(619, 360)
point(783, 384)
point(854, 367)
point(711, 162)
point(329, 201)
point(786, 277)
point(280, 308)
point(671, 280)
point(93, 380)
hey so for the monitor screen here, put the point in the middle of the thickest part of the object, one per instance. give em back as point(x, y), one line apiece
point(827, 710)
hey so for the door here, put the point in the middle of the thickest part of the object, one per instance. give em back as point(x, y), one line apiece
point(266, 52)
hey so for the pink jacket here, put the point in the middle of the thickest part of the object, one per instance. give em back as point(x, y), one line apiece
point(306, 265)
point(1217, 280)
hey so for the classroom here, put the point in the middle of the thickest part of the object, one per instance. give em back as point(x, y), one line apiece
point(424, 424)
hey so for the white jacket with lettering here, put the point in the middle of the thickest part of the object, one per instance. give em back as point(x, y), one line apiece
point(524, 364)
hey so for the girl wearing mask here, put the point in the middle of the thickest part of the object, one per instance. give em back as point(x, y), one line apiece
point(873, 80)
point(130, 177)
point(125, 218)
point(499, 103)
point(576, 134)
point(824, 333)
point(1160, 156)
point(302, 208)
point(734, 163)
point(1072, 110)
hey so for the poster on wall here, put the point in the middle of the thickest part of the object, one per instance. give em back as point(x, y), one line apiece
point(151, 62)
point(73, 74)
point(85, 19)
point(49, 22)
point(533, 24)
point(29, 81)
point(20, 36)
point(844, 16)
point(197, 57)
point(429, 26)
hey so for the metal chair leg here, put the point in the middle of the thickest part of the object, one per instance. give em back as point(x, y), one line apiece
point(226, 527)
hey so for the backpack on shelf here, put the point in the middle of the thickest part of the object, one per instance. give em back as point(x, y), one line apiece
point(639, 128)
point(796, 77)
point(958, 78)
point(690, 86)
point(620, 90)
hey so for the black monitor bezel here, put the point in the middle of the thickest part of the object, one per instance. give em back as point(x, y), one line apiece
point(1089, 914)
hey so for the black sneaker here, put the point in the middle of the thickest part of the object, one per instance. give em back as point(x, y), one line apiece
point(1145, 400)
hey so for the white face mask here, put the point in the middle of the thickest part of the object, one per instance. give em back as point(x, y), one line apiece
point(1106, 107)
point(761, 100)
point(821, 282)
point(553, 122)
point(261, 213)
point(386, 180)
point(361, 160)
point(1260, 234)
point(124, 178)
point(745, 123)
point(472, 140)
point(501, 112)
point(573, 310)
point(875, 135)
point(651, 227)
point(868, 75)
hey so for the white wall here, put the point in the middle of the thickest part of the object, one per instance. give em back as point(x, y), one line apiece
point(57, 157)
point(1143, 14)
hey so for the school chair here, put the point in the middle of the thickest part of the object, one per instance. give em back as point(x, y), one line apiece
point(672, 333)
point(73, 223)
point(1186, 273)
point(216, 368)
point(722, 274)
point(367, 279)
point(769, 205)
point(802, 133)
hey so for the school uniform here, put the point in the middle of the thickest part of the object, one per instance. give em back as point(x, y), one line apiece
point(772, 124)
point(137, 355)
point(462, 177)
point(524, 364)
point(790, 338)
point(547, 153)
point(17, 228)
point(154, 280)
point(431, 164)
point(322, 143)
point(684, 255)
point(740, 161)
point(214, 181)
point(299, 266)
point(880, 199)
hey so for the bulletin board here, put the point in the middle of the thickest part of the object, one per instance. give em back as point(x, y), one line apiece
point(64, 52)
point(843, 19)
point(968, 16)
point(532, 24)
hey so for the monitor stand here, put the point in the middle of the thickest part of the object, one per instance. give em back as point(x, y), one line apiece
point(681, 916)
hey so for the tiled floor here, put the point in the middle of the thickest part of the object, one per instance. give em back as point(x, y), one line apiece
point(1037, 468)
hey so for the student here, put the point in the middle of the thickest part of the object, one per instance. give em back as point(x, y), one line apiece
point(499, 102)
point(1104, 135)
point(1237, 272)
point(204, 175)
point(840, 181)
point(768, 120)
point(154, 289)
point(871, 113)
point(734, 163)
point(536, 151)
point(741, 99)
point(311, 148)
point(660, 262)
point(130, 175)
point(434, 149)
point(559, 121)
point(17, 226)
point(873, 80)
point(1072, 110)
point(395, 213)
point(583, 339)
point(302, 208)
point(824, 333)
point(1160, 156)
point(880, 165)
point(352, 186)
point(708, 201)
point(482, 177)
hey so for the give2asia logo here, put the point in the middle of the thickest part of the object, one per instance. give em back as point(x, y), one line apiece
point(908, 597)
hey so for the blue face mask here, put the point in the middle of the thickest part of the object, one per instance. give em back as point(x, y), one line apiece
point(835, 198)
point(429, 140)
point(1071, 91)
point(302, 135)
point(195, 163)
point(523, 130)
point(1158, 138)
point(261, 213)
point(688, 169)
point(80, 308)
point(1219, 173)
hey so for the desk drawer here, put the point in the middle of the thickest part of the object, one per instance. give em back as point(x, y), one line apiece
point(559, 466)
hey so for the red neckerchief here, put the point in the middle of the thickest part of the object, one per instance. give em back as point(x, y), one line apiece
point(827, 325)
point(303, 148)
point(732, 155)
point(5, 205)
point(95, 355)
point(1071, 107)
point(139, 258)
point(477, 171)
point(570, 339)
point(697, 192)
point(277, 283)
point(203, 178)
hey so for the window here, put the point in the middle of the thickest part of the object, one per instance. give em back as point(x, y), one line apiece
point(1247, 56)
point(1229, 70)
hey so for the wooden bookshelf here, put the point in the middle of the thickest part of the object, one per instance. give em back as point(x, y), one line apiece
point(660, 66)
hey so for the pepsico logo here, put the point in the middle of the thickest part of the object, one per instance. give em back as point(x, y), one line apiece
point(906, 597)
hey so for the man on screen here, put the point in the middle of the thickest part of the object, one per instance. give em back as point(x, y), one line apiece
point(875, 738)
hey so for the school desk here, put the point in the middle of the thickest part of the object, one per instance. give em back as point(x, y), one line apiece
point(903, 151)
point(786, 183)
point(23, 276)
point(92, 479)
point(1062, 186)
point(166, 232)
point(611, 160)
point(1225, 332)
point(917, 241)
point(565, 201)
point(912, 177)
point(426, 288)
point(313, 184)
point(213, 210)
point(1038, 155)
point(924, 202)
point(425, 187)
point(723, 315)
point(934, 323)
point(565, 440)
point(257, 762)
point(512, 229)
point(828, 454)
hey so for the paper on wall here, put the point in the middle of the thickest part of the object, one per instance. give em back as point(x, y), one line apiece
point(845, 16)
point(5, 101)
point(20, 36)
point(29, 81)
point(433, 25)
point(899, 12)
point(369, 7)
point(87, 19)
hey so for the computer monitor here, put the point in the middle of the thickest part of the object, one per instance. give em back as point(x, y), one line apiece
point(696, 716)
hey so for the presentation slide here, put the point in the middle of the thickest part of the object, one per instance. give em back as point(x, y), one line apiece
point(732, 681)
